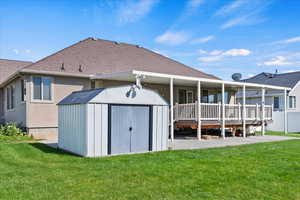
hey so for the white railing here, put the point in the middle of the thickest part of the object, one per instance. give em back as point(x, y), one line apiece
point(210, 111)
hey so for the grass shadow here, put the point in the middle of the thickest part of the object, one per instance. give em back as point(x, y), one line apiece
point(50, 150)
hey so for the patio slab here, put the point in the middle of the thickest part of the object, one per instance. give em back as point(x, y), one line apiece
point(230, 141)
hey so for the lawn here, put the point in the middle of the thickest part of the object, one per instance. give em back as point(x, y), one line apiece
point(259, 171)
point(282, 134)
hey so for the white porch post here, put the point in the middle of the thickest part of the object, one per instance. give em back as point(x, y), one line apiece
point(263, 111)
point(171, 110)
point(223, 110)
point(244, 111)
point(199, 111)
point(285, 112)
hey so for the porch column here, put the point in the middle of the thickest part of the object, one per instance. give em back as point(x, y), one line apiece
point(285, 112)
point(223, 110)
point(171, 110)
point(199, 110)
point(263, 111)
point(244, 111)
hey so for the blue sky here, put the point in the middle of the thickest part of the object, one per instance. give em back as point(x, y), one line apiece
point(216, 36)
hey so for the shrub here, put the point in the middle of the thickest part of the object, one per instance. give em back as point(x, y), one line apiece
point(11, 129)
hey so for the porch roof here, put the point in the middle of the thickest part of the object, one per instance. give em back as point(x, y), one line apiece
point(159, 78)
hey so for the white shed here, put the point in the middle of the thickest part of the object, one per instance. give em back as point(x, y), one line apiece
point(110, 121)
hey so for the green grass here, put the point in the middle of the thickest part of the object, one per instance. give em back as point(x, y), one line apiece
point(15, 139)
point(282, 134)
point(258, 171)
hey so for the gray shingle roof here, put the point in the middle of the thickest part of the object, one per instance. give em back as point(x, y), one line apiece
point(283, 80)
point(80, 97)
point(8, 67)
point(96, 56)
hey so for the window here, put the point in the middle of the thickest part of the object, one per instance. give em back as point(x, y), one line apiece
point(292, 102)
point(189, 97)
point(42, 88)
point(276, 103)
point(23, 90)
point(93, 84)
point(10, 97)
point(182, 96)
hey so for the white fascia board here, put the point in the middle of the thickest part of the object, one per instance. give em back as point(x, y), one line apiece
point(32, 71)
point(154, 74)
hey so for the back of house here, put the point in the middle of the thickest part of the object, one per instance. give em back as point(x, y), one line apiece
point(29, 92)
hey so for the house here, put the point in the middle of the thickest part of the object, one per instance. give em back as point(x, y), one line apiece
point(277, 98)
point(30, 93)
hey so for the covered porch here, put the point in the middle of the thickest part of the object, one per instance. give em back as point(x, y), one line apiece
point(201, 103)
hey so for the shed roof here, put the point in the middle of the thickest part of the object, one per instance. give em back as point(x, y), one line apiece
point(129, 95)
point(80, 97)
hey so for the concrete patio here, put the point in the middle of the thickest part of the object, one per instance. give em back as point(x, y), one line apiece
point(193, 143)
point(228, 141)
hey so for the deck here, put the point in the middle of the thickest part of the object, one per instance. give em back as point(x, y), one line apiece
point(211, 115)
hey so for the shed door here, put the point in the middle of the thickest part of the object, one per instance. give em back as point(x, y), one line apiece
point(129, 129)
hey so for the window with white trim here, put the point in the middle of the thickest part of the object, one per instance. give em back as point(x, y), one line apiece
point(276, 103)
point(42, 88)
point(10, 97)
point(292, 102)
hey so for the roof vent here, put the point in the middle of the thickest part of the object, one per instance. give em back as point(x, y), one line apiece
point(80, 68)
point(138, 46)
point(62, 68)
point(117, 43)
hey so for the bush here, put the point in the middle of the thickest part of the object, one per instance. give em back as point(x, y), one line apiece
point(11, 129)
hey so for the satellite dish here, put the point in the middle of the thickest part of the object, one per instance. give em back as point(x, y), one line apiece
point(236, 76)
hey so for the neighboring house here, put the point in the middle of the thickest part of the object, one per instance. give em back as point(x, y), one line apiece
point(30, 93)
point(275, 97)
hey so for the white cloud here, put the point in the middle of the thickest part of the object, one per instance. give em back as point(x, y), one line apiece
point(216, 52)
point(278, 61)
point(203, 39)
point(16, 51)
point(27, 51)
point(172, 38)
point(217, 55)
point(237, 52)
point(249, 19)
point(243, 12)
point(134, 10)
point(194, 3)
point(201, 52)
point(288, 41)
point(227, 9)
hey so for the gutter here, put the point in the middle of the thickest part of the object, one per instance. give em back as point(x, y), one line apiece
point(30, 71)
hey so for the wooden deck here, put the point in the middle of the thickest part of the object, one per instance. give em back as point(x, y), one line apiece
point(206, 124)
